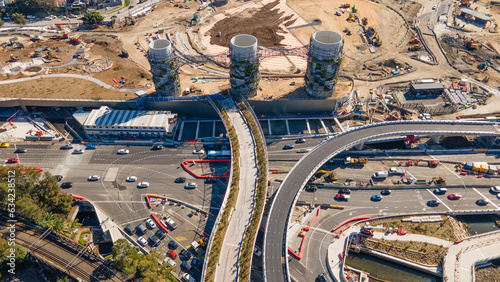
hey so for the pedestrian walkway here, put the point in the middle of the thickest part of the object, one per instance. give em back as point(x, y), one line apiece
point(228, 268)
point(459, 263)
point(414, 238)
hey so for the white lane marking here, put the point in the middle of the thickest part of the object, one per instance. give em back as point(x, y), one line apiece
point(439, 200)
point(488, 200)
point(457, 175)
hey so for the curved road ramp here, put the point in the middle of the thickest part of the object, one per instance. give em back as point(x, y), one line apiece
point(227, 269)
point(275, 245)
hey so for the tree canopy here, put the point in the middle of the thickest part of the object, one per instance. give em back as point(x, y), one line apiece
point(92, 18)
point(38, 197)
point(29, 6)
point(143, 267)
point(18, 18)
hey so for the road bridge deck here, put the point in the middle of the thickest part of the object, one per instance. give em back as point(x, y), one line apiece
point(275, 248)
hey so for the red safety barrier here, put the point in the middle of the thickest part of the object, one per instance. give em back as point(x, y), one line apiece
point(148, 202)
point(342, 230)
point(293, 254)
point(79, 198)
point(184, 166)
point(350, 220)
point(159, 223)
point(312, 222)
point(341, 255)
point(205, 236)
point(458, 242)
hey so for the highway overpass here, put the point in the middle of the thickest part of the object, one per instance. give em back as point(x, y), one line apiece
point(275, 245)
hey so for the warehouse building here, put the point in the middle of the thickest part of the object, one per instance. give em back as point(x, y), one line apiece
point(127, 123)
point(426, 89)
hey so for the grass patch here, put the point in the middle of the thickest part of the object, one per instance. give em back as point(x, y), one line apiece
point(442, 230)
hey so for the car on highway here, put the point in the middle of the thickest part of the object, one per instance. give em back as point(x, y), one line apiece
point(142, 241)
point(380, 174)
point(303, 150)
point(157, 147)
point(93, 178)
point(143, 185)
point(173, 245)
point(199, 152)
point(58, 177)
point(20, 150)
point(91, 147)
point(123, 152)
point(150, 223)
point(4, 145)
point(12, 160)
point(498, 196)
point(433, 203)
point(257, 252)
point(79, 151)
point(495, 189)
point(186, 254)
point(454, 196)
point(131, 179)
point(342, 197)
point(67, 146)
point(30, 17)
point(482, 202)
point(300, 140)
point(180, 180)
point(171, 253)
point(344, 191)
point(385, 192)
point(376, 198)
point(311, 188)
point(190, 185)
point(67, 185)
point(440, 191)
point(288, 146)
point(322, 278)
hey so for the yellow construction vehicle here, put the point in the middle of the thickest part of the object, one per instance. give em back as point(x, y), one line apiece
point(351, 18)
point(439, 180)
point(332, 176)
point(364, 21)
point(353, 161)
point(376, 40)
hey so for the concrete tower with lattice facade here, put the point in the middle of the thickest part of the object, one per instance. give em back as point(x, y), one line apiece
point(163, 67)
point(244, 71)
point(323, 64)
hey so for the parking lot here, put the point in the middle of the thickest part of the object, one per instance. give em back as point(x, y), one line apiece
point(123, 201)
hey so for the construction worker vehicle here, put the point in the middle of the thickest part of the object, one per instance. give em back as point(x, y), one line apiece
point(354, 161)
point(415, 48)
point(351, 18)
point(433, 163)
point(330, 175)
point(439, 180)
point(364, 21)
point(415, 41)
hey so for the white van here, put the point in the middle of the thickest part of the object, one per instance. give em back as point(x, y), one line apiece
point(188, 91)
point(381, 174)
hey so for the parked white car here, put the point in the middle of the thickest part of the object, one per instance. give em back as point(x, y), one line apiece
point(143, 185)
point(132, 179)
point(151, 223)
point(79, 151)
point(142, 241)
point(198, 152)
point(123, 152)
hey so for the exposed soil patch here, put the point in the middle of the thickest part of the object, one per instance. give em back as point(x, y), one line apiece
point(418, 252)
point(262, 23)
point(488, 274)
point(442, 230)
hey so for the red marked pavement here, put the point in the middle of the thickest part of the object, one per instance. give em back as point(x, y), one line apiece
point(184, 166)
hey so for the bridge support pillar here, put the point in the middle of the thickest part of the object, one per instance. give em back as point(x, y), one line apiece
point(436, 138)
point(359, 146)
point(23, 107)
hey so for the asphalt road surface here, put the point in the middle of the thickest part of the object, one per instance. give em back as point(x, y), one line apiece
point(275, 255)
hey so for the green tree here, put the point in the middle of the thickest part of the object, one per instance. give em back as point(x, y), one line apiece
point(28, 6)
point(92, 18)
point(18, 18)
point(20, 254)
point(1, 22)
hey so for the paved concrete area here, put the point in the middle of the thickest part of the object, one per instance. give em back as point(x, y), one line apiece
point(461, 258)
point(228, 269)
